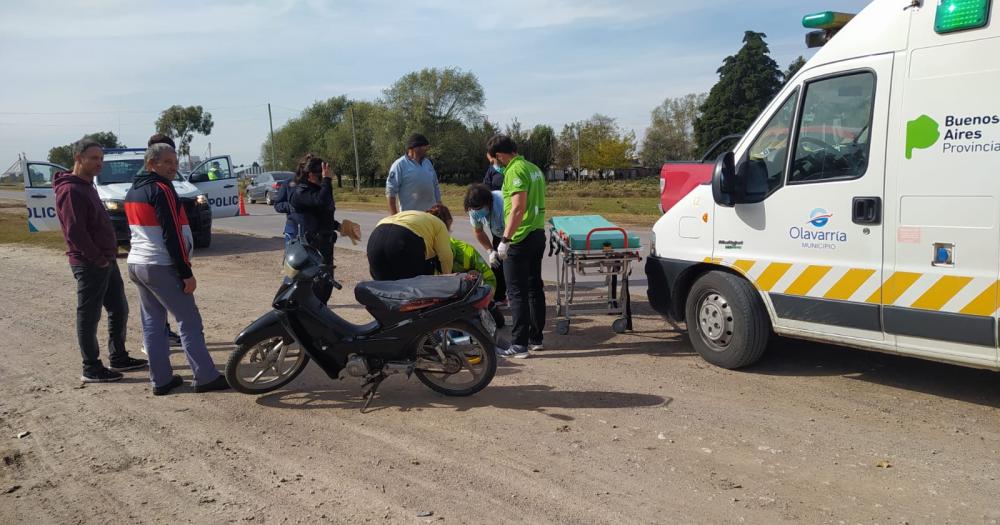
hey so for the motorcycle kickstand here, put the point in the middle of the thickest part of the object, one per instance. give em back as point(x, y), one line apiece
point(372, 383)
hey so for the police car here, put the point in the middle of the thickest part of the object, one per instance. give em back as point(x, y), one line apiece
point(209, 191)
point(861, 208)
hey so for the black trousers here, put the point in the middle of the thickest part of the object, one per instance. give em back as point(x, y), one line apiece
point(395, 252)
point(97, 288)
point(523, 270)
point(324, 243)
point(501, 291)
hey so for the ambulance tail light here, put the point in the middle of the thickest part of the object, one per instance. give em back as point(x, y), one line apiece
point(826, 24)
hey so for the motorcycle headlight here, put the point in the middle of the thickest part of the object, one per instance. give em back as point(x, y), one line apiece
point(112, 205)
point(201, 199)
point(288, 270)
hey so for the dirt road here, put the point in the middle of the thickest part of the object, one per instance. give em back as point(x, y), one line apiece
point(597, 429)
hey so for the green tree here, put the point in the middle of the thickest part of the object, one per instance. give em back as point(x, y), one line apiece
point(670, 135)
point(182, 123)
point(794, 68)
point(63, 155)
point(432, 97)
point(539, 149)
point(748, 80)
point(598, 141)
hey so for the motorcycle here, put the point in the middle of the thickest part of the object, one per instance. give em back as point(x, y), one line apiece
point(434, 327)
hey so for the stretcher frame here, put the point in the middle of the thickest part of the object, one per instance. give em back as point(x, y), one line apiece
point(615, 264)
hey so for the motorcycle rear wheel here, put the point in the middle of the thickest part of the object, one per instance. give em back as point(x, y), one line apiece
point(264, 365)
point(469, 355)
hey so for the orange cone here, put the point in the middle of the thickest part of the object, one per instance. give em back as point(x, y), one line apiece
point(243, 206)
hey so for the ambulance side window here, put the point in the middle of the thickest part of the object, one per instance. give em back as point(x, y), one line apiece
point(835, 130)
point(770, 150)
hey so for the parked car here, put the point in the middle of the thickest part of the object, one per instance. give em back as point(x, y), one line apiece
point(265, 186)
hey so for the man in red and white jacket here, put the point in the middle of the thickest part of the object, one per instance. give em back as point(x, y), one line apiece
point(159, 263)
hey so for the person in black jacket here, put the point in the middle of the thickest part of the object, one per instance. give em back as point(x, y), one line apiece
point(312, 211)
point(494, 174)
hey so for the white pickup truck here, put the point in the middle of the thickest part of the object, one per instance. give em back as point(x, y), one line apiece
point(209, 191)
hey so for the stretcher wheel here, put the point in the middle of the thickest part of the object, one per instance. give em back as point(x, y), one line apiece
point(562, 327)
point(620, 325)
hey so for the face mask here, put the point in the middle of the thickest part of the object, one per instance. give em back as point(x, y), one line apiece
point(499, 168)
point(479, 215)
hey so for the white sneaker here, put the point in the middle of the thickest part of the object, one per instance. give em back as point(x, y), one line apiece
point(514, 352)
point(536, 348)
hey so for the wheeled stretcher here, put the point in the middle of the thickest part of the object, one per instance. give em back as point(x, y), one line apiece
point(590, 244)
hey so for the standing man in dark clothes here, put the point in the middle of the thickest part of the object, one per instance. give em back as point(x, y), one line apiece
point(494, 174)
point(92, 251)
point(313, 209)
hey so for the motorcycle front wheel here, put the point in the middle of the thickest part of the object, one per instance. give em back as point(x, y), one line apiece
point(264, 365)
point(456, 359)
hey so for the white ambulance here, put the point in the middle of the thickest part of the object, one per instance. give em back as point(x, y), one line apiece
point(861, 208)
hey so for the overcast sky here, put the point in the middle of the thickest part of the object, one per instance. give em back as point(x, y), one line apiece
point(74, 67)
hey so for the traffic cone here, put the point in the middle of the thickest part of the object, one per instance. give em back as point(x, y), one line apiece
point(243, 206)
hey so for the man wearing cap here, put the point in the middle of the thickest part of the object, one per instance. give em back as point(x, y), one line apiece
point(412, 179)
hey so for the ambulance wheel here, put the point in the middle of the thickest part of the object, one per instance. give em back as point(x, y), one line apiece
point(726, 320)
point(562, 326)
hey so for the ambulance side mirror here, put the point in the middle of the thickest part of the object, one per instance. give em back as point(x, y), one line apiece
point(724, 180)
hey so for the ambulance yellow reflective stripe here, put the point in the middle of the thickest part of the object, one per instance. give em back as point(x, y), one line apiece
point(941, 292)
point(808, 279)
point(771, 276)
point(985, 303)
point(947, 293)
point(854, 279)
point(744, 265)
point(894, 287)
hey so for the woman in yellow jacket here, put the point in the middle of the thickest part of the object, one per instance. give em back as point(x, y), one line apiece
point(409, 244)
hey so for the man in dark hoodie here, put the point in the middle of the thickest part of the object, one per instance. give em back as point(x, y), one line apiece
point(92, 251)
point(159, 264)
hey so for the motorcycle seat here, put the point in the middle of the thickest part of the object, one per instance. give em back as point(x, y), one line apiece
point(411, 294)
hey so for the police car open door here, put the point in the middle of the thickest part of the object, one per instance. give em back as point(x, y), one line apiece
point(813, 246)
point(38, 195)
point(215, 178)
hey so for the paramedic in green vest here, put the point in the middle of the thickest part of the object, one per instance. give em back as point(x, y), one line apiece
point(523, 244)
point(467, 259)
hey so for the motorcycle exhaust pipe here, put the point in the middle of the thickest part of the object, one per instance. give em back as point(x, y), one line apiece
point(397, 368)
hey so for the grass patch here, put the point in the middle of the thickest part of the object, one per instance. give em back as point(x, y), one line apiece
point(12, 186)
point(14, 230)
point(631, 202)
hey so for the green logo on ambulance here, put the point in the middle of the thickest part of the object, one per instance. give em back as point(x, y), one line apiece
point(921, 133)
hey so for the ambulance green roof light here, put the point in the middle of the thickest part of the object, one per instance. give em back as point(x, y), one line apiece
point(826, 20)
point(958, 15)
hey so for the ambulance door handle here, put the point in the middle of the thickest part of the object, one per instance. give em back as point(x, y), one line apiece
point(867, 210)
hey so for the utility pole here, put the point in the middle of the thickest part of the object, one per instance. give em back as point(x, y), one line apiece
point(274, 164)
point(357, 164)
point(209, 150)
point(579, 131)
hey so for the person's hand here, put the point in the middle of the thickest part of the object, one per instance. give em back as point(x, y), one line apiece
point(189, 285)
point(493, 259)
point(502, 250)
point(327, 172)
